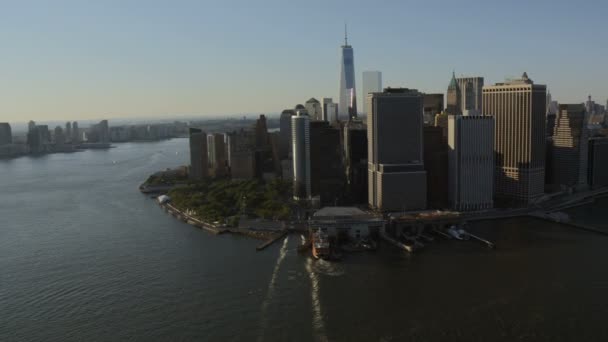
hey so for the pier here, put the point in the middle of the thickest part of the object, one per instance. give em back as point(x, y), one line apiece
point(272, 240)
point(396, 243)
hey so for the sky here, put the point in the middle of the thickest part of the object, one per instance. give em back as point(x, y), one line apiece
point(68, 60)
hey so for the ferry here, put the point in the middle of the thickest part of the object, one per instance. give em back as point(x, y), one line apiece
point(320, 245)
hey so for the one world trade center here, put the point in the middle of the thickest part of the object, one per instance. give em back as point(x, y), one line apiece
point(348, 100)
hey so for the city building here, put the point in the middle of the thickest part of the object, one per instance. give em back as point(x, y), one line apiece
point(68, 131)
point(471, 92)
point(6, 135)
point(266, 152)
point(327, 174)
point(313, 107)
point(441, 120)
point(569, 149)
point(330, 110)
point(198, 154)
point(348, 99)
point(518, 107)
point(597, 175)
point(99, 133)
point(59, 136)
point(397, 179)
point(346, 223)
point(471, 162)
point(355, 161)
point(372, 83)
point(454, 97)
point(285, 133)
point(433, 105)
point(216, 147)
point(300, 136)
point(75, 133)
point(436, 166)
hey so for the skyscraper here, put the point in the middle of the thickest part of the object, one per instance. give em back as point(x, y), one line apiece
point(313, 107)
point(397, 179)
point(285, 133)
point(569, 150)
point(348, 98)
point(219, 154)
point(454, 97)
point(326, 169)
point(6, 135)
point(328, 114)
point(471, 92)
point(300, 135)
point(75, 133)
point(68, 131)
point(59, 136)
point(471, 162)
point(198, 154)
point(372, 83)
point(518, 107)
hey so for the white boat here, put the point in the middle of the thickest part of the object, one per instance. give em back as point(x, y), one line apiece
point(457, 233)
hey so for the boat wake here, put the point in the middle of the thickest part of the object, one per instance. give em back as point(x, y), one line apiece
point(317, 314)
point(328, 268)
point(271, 286)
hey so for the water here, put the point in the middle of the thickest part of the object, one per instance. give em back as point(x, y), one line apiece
point(85, 257)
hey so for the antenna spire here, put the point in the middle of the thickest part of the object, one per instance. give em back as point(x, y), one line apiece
point(345, 34)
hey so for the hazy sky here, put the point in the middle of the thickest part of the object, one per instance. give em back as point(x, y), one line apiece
point(105, 59)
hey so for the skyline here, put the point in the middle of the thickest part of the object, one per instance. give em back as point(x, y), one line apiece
point(73, 61)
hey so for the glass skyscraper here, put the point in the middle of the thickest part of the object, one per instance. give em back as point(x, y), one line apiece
point(348, 98)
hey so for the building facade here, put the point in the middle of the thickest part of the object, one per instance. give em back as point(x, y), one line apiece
point(348, 98)
point(355, 161)
point(327, 109)
point(569, 150)
point(396, 175)
point(300, 136)
point(598, 163)
point(436, 166)
point(198, 154)
point(241, 147)
point(6, 134)
point(454, 97)
point(372, 83)
point(433, 105)
point(285, 133)
point(471, 162)
point(518, 107)
point(471, 90)
point(314, 109)
point(327, 175)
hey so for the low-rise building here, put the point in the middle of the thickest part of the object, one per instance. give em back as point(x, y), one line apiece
point(346, 222)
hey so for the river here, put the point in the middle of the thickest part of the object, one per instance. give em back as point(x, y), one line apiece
point(85, 257)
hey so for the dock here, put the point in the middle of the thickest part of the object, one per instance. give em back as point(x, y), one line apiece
point(272, 240)
point(490, 244)
point(396, 243)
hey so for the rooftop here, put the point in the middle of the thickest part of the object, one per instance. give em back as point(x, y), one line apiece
point(339, 211)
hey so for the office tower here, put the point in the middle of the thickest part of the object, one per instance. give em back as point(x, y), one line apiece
point(348, 98)
point(372, 83)
point(6, 135)
point(218, 153)
point(198, 154)
point(569, 150)
point(45, 134)
point(471, 91)
point(313, 107)
point(241, 145)
point(68, 131)
point(332, 112)
point(518, 107)
point(355, 161)
point(58, 136)
point(597, 176)
point(433, 105)
point(31, 125)
point(441, 120)
point(327, 176)
point(590, 106)
point(397, 179)
point(267, 166)
point(300, 142)
point(285, 133)
point(436, 166)
point(454, 97)
point(104, 132)
point(471, 162)
point(327, 107)
point(75, 133)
